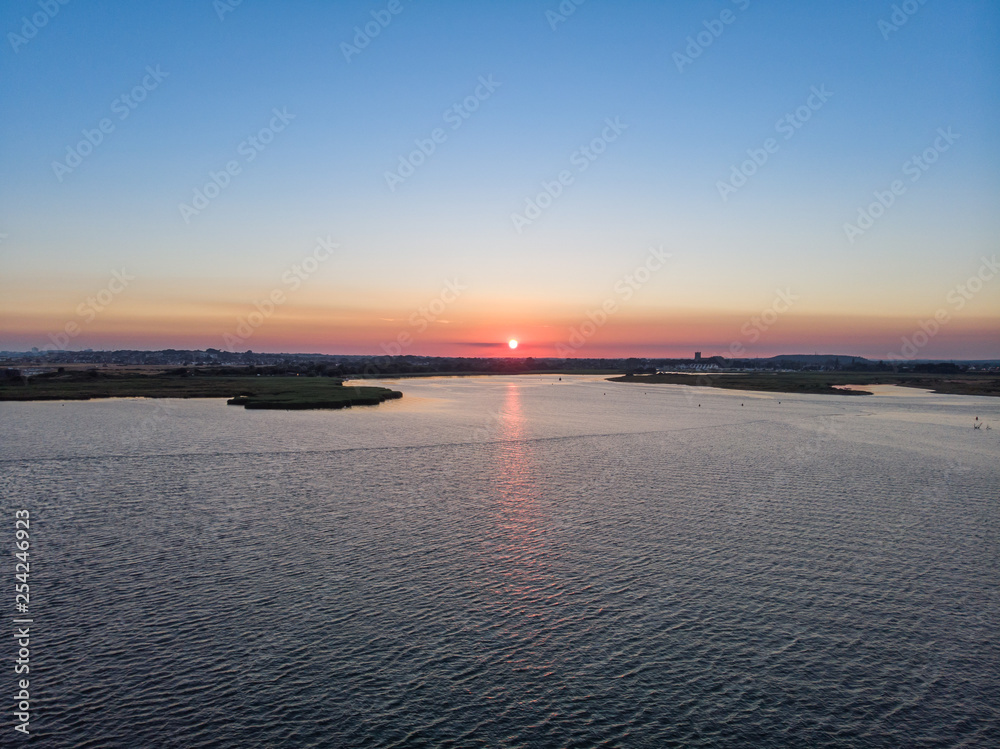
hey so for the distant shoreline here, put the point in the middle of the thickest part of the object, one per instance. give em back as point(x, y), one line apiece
point(298, 392)
point(826, 383)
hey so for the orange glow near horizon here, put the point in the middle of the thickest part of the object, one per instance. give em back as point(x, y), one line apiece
point(155, 321)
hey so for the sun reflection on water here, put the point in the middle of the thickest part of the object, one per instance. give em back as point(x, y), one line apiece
point(518, 542)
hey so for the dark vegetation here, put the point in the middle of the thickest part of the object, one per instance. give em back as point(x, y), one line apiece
point(957, 383)
point(315, 381)
point(246, 387)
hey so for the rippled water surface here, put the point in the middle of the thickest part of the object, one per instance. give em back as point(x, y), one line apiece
point(512, 562)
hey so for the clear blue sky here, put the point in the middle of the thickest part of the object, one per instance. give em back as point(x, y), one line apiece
point(657, 183)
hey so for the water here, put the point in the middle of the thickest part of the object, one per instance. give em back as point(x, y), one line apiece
point(512, 562)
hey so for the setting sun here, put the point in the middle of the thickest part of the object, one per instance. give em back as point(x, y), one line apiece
point(512, 343)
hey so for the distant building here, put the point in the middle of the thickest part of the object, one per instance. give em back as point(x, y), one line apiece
point(697, 356)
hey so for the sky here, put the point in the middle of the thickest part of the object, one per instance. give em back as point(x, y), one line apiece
point(589, 178)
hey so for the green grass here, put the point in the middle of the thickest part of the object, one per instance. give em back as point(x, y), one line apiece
point(823, 382)
point(274, 392)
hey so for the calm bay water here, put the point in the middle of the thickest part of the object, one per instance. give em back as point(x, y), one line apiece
point(512, 562)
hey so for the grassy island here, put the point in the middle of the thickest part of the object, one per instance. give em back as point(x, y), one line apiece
point(240, 388)
point(827, 383)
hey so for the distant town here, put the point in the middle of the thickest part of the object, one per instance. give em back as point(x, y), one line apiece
point(28, 363)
